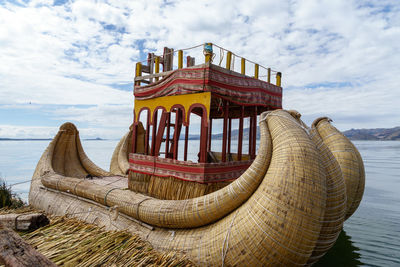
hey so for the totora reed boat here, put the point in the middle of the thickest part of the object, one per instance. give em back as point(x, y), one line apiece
point(222, 202)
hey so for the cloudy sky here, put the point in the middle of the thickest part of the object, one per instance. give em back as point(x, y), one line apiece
point(74, 60)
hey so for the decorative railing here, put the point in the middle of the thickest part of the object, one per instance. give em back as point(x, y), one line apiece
point(220, 57)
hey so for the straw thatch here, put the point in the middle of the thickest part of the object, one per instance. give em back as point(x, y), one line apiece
point(349, 159)
point(70, 242)
point(281, 211)
point(170, 187)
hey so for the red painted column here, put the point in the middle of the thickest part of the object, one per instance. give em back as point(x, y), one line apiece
point(176, 136)
point(203, 138)
point(153, 135)
point(254, 136)
point(167, 135)
point(240, 141)
point(146, 141)
point(209, 135)
point(225, 130)
point(251, 135)
point(229, 136)
point(133, 148)
point(186, 142)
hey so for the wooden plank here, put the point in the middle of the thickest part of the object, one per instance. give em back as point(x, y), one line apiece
point(154, 75)
point(167, 155)
point(240, 141)
point(225, 130)
point(160, 132)
point(14, 251)
point(24, 222)
point(177, 132)
point(186, 142)
point(153, 134)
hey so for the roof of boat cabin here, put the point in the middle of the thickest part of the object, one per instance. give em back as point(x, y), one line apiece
point(221, 82)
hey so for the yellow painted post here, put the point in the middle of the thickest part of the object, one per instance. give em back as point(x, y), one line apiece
point(138, 71)
point(256, 71)
point(228, 60)
point(180, 59)
point(269, 75)
point(243, 69)
point(208, 52)
point(278, 79)
point(157, 66)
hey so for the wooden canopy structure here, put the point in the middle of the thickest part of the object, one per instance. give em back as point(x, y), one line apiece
point(163, 105)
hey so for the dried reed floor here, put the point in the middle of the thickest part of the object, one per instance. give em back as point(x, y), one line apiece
point(69, 242)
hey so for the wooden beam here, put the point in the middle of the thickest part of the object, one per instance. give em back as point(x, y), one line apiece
point(228, 60)
point(177, 132)
point(186, 142)
point(133, 148)
point(154, 75)
point(278, 79)
point(138, 72)
point(269, 75)
point(256, 68)
point(157, 67)
point(24, 222)
point(167, 137)
point(180, 59)
point(153, 134)
point(229, 136)
point(254, 136)
point(146, 141)
point(160, 132)
point(251, 135)
point(240, 141)
point(209, 135)
point(225, 129)
point(203, 139)
point(14, 251)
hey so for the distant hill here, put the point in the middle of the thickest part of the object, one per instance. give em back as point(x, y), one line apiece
point(45, 139)
point(374, 134)
point(353, 134)
point(235, 134)
point(25, 139)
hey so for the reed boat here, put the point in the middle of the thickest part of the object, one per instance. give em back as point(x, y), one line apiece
point(217, 203)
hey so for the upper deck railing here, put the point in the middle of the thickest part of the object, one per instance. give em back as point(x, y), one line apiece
point(219, 56)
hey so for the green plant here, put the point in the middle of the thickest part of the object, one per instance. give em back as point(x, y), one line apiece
point(7, 198)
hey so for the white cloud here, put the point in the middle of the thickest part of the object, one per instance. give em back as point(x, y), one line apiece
point(76, 53)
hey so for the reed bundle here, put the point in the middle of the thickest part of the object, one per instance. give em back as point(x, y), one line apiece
point(170, 187)
point(72, 160)
point(349, 159)
point(70, 242)
point(120, 159)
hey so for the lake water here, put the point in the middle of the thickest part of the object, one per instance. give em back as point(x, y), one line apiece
point(371, 237)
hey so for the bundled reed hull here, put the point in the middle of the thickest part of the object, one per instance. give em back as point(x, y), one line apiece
point(286, 209)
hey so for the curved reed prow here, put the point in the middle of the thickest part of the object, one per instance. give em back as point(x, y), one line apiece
point(120, 159)
point(349, 159)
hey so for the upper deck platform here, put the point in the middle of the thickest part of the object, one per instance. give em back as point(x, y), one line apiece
point(227, 83)
point(230, 85)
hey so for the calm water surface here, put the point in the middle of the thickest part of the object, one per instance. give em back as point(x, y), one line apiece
point(371, 237)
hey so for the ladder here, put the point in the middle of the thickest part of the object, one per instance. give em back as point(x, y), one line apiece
point(171, 145)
